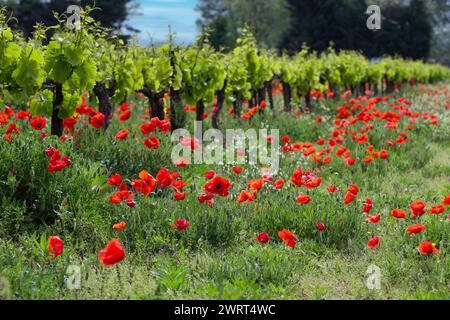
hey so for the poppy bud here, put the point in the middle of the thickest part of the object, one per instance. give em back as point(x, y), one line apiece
point(131, 203)
point(50, 151)
point(263, 237)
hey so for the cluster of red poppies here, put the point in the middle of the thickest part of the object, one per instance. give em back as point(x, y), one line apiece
point(362, 110)
point(145, 185)
point(57, 162)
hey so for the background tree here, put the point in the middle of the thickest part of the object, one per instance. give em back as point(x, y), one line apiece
point(215, 17)
point(268, 20)
point(317, 23)
point(440, 47)
point(407, 26)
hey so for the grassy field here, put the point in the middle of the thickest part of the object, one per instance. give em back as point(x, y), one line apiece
point(217, 256)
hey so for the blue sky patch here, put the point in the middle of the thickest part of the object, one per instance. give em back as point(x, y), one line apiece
point(154, 17)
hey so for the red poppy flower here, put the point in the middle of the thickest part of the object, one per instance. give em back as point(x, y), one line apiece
point(120, 196)
point(320, 142)
point(237, 170)
point(148, 128)
point(256, 184)
point(374, 219)
point(417, 228)
point(7, 137)
point(69, 123)
point(446, 200)
point(115, 199)
point(437, 209)
point(367, 160)
point(123, 107)
point(263, 237)
point(312, 183)
point(332, 189)
point(179, 185)
point(115, 180)
point(181, 224)
point(417, 208)
point(279, 184)
point(125, 116)
point(320, 227)
point(286, 139)
point(288, 238)
point(368, 205)
point(327, 160)
point(38, 123)
point(112, 254)
point(164, 178)
point(152, 143)
point(350, 162)
point(181, 162)
point(179, 196)
point(146, 184)
point(353, 189)
point(349, 197)
point(428, 247)
point(363, 139)
point(98, 121)
point(398, 213)
point(374, 242)
point(205, 198)
point(309, 151)
point(165, 126)
point(400, 140)
point(122, 134)
point(50, 151)
point(303, 199)
point(209, 175)
point(64, 138)
point(218, 186)
point(22, 115)
point(12, 128)
point(57, 163)
point(120, 226)
point(246, 196)
point(263, 104)
point(55, 246)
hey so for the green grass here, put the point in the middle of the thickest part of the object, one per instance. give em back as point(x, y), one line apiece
point(217, 257)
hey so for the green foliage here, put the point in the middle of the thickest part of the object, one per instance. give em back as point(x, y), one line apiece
point(217, 257)
point(128, 72)
point(43, 197)
point(203, 74)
